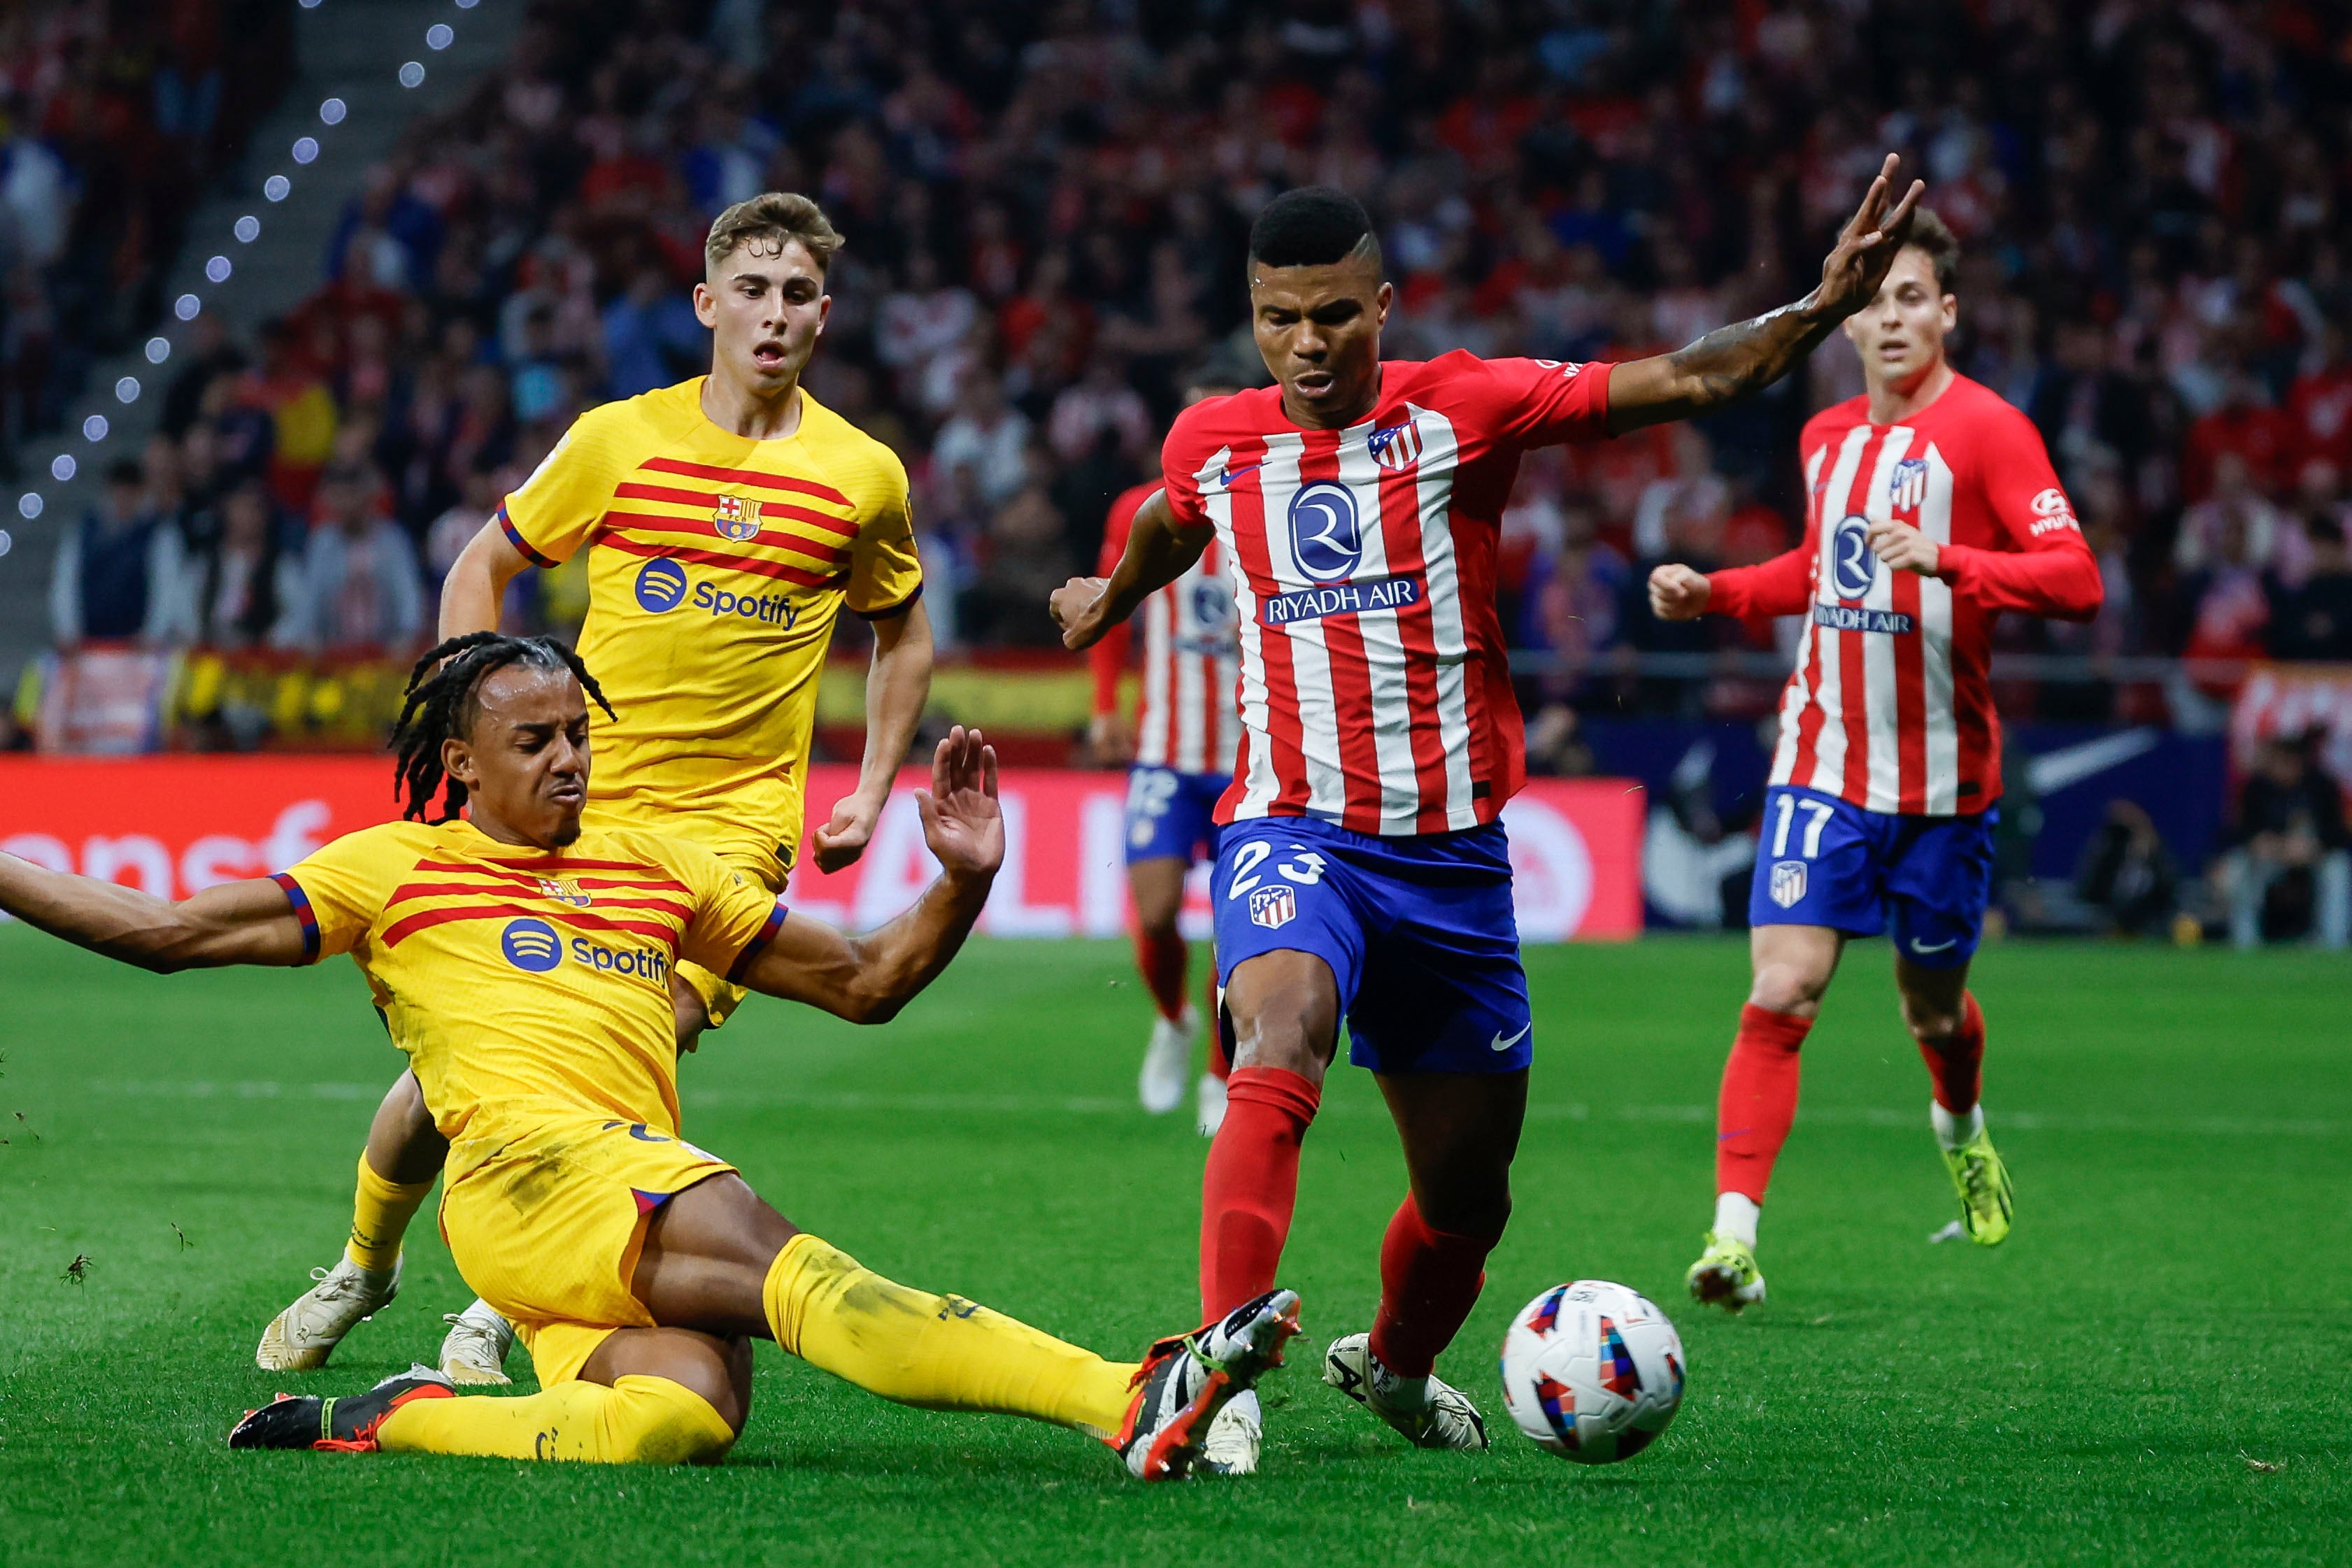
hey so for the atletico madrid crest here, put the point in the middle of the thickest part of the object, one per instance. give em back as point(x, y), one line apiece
point(1907, 489)
point(1274, 907)
point(1787, 883)
point(1396, 448)
point(737, 518)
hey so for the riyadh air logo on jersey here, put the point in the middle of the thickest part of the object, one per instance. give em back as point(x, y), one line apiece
point(1906, 488)
point(661, 585)
point(1324, 536)
point(1396, 448)
point(532, 946)
point(1787, 883)
point(1852, 568)
point(737, 518)
point(565, 891)
point(1273, 906)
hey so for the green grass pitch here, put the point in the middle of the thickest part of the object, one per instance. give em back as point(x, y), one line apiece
point(2151, 1371)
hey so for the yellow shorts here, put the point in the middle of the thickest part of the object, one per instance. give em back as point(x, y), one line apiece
point(718, 998)
point(548, 1219)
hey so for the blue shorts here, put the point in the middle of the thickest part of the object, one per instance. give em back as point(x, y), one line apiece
point(1420, 934)
point(1822, 861)
point(1172, 815)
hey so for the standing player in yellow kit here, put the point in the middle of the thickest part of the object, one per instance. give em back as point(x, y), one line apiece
point(728, 519)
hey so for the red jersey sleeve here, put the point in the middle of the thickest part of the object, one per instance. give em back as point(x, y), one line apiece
point(1781, 586)
point(2049, 569)
point(1542, 402)
point(1182, 456)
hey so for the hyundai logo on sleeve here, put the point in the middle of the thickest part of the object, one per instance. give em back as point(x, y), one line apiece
point(661, 585)
point(1325, 538)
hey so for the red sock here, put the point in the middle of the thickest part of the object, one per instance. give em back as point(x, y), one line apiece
point(1250, 1184)
point(1221, 1061)
point(1429, 1281)
point(1759, 1102)
point(1959, 1068)
point(1161, 958)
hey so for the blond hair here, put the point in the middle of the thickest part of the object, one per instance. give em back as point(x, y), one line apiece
point(779, 216)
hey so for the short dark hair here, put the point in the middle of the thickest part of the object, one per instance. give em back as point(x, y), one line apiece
point(1934, 239)
point(1312, 226)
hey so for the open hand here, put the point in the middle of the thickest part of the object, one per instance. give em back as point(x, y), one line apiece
point(1679, 593)
point(1073, 605)
point(1904, 547)
point(962, 820)
point(1866, 245)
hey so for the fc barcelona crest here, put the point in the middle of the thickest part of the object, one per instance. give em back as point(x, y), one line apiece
point(1906, 488)
point(1396, 448)
point(737, 518)
point(565, 891)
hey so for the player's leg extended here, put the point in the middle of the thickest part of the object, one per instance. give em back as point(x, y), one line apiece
point(1285, 1009)
point(1792, 966)
point(1164, 960)
point(396, 1172)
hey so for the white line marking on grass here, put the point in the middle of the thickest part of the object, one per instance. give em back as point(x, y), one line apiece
point(1079, 1105)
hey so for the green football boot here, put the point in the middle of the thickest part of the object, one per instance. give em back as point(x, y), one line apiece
point(1983, 1182)
point(1726, 1275)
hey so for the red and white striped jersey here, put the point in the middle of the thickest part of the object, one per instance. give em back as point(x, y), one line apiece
point(1891, 705)
point(1375, 687)
point(1192, 657)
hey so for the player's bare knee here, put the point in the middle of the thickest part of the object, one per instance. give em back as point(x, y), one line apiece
point(403, 1144)
point(1788, 987)
point(1285, 1035)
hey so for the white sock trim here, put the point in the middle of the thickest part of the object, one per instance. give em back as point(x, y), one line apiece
point(1735, 1215)
point(1955, 1128)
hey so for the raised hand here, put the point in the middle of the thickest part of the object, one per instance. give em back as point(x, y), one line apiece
point(1866, 245)
point(962, 820)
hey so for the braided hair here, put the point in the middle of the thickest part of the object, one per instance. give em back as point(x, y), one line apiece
point(444, 700)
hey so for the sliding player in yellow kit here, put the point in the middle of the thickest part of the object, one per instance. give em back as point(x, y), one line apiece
point(728, 519)
point(523, 963)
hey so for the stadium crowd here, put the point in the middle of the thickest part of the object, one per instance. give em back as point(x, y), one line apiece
point(1046, 205)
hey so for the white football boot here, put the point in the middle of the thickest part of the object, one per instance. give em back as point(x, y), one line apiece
point(1234, 1438)
point(1442, 1418)
point(1167, 1063)
point(1186, 1382)
point(474, 1353)
point(1211, 1102)
point(306, 1333)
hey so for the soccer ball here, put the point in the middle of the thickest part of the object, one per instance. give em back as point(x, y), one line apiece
point(1592, 1370)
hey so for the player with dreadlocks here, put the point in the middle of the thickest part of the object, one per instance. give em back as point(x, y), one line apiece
point(522, 961)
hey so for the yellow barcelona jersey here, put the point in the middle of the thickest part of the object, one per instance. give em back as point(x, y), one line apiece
point(716, 568)
point(526, 985)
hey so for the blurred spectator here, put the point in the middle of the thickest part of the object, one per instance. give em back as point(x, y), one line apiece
point(1025, 557)
point(118, 569)
point(2313, 619)
point(651, 336)
point(2289, 871)
point(987, 439)
point(2128, 873)
point(361, 591)
point(244, 590)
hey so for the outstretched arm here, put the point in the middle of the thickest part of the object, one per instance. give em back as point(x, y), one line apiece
point(867, 979)
point(897, 685)
point(1158, 552)
point(236, 922)
point(1732, 362)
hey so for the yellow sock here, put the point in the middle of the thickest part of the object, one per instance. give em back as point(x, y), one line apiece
point(381, 1211)
point(638, 1420)
point(941, 1351)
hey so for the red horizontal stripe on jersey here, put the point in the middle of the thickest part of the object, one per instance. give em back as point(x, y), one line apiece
point(826, 521)
point(464, 889)
point(643, 877)
point(745, 477)
point(782, 571)
point(407, 926)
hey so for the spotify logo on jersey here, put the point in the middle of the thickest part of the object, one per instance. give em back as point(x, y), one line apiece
point(661, 585)
point(531, 945)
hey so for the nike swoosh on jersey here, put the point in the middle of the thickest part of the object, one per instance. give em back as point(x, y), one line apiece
point(1499, 1043)
point(1918, 946)
point(1227, 476)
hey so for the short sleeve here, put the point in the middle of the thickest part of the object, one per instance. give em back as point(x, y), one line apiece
point(555, 510)
point(886, 574)
point(1545, 402)
point(1184, 457)
point(337, 893)
point(734, 916)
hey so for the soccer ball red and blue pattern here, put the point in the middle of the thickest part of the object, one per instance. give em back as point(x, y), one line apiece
point(1592, 1372)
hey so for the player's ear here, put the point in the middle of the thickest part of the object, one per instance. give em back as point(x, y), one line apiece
point(706, 304)
point(1380, 303)
point(1951, 312)
point(824, 310)
point(458, 761)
